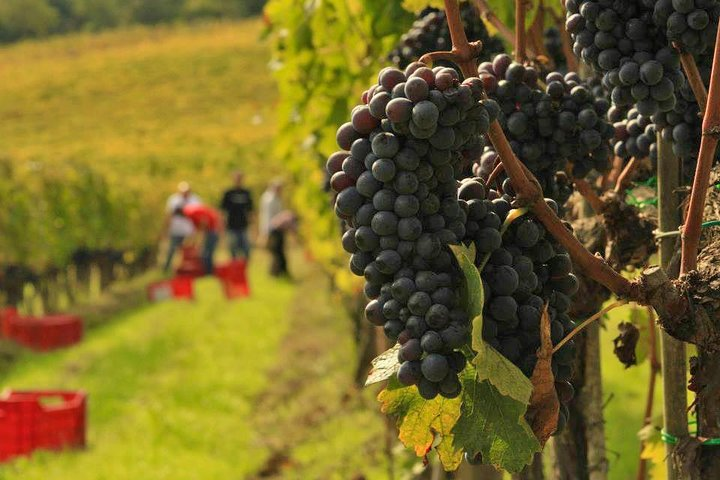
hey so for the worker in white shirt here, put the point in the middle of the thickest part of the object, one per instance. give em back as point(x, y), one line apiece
point(178, 227)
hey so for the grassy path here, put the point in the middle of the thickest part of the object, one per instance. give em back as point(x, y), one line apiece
point(213, 390)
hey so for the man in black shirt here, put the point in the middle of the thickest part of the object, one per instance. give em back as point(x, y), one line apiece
point(237, 205)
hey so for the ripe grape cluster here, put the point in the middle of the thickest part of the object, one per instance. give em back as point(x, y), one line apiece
point(522, 270)
point(691, 24)
point(683, 127)
point(430, 33)
point(620, 41)
point(636, 136)
point(396, 190)
point(548, 128)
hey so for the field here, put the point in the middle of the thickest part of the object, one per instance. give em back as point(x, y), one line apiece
point(148, 105)
point(215, 390)
point(211, 389)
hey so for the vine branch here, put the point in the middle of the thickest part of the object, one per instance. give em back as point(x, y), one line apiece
point(694, 79)
point(489, 16)
point(589, 194)
point(520, 33)
point(708, 145)
point(624, 176)
point(587, 322)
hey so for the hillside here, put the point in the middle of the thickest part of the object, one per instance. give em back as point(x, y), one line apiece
point(148, 105)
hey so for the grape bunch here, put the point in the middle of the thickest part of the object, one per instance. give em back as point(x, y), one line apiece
point(430, 33)
point(691, 24)
point(396, 190)
point(522, 270)
point(620, 40)
point(636, 136)
point(683, 127)
point(548, 128)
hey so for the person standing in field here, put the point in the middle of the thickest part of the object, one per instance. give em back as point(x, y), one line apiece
point(177, 227)
point(271, 227)
point(238, 206)
point(207, 220)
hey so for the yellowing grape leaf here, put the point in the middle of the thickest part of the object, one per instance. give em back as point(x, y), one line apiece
point(384, 366)
point(423, 423)
point(493, 425)
point(655, 453)
point(544, 404)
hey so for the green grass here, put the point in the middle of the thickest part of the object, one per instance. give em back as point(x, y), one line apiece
point(213, 389)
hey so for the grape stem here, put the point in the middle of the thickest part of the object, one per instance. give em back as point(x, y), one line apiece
point(489, 16)
point(708, 145)
point(528, 189)
point(463, 53)
point(694, 79)
point(587, 322)
point(494, 174)
point(589, 194)
point(520, 33)
point(624, 177)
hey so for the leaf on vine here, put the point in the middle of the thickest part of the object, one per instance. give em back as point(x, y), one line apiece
point(472, 289)
point(422, 423)
point(625, 344)
point(493, 425)
point(544, 404)
point(655, 453)
point(501, 372)
point(490, 364)
point(384, 366)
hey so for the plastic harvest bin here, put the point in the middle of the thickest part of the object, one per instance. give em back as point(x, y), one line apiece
point(29, 422)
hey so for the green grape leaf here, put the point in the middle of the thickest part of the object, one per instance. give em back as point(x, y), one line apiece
point(384, 366)
point(472, 290)
point(493, 425)
point(501, 372)
point(422, 423)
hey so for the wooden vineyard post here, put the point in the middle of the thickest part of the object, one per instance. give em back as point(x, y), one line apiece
point(673, 351)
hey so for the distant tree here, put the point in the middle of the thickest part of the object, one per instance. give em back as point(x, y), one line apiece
point(222, 8)
point(155, 11)
point(100, 14)
point(26, 18)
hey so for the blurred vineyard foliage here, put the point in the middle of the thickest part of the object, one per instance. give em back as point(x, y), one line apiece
point(98, 129)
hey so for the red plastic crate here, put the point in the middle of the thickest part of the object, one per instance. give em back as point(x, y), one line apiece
point(178, 287)
point(28, 423)
point(190, 264)
point(45, 333)
point(7, 315)
point(233, 277)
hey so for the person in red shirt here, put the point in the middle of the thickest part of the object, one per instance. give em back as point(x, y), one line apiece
point(206, 220)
